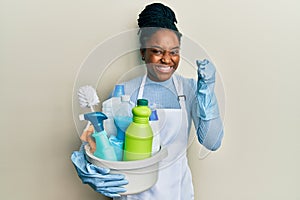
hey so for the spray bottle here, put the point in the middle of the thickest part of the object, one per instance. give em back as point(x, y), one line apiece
point(104, 150)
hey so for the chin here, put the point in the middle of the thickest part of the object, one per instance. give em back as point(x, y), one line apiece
point(165, 77)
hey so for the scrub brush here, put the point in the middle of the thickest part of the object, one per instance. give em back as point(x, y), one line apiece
point(88, 97)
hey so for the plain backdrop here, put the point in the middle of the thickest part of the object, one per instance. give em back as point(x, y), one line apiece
point(255, 45)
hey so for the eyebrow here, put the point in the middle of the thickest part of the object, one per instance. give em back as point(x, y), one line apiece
point(177, 47)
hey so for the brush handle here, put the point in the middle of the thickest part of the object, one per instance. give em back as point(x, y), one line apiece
point(92, 109)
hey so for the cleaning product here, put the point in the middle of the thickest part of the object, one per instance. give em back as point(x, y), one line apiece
point(110, 106)
point(104, 150)
point(123, 116)
point(139, 135)
point(118, 146)
point(154, 123)
point(122, 119)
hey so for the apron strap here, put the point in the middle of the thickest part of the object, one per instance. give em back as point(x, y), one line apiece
point(179, 89)
point(141, 90)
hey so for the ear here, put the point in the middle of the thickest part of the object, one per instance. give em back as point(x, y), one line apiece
point(142, 51)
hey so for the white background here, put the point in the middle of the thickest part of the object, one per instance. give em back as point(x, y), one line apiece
point(255, 45)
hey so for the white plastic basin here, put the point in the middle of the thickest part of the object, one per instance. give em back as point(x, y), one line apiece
point(141, 174)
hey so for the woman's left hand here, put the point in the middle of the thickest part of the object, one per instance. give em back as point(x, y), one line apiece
point(206, 71)
point(205, 92)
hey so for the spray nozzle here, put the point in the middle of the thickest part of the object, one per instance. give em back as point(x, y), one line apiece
point(96, 118)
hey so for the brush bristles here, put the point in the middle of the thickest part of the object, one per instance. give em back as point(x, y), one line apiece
point(87, 96)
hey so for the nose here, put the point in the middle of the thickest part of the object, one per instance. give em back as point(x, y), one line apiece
point(166, 59)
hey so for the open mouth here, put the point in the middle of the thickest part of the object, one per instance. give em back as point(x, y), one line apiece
point(164, 69)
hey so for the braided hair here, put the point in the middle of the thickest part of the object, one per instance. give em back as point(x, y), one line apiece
point(154, 17)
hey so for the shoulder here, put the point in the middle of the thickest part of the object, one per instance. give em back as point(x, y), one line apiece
point(187, 83)
point(131, 85)
point(134, 80)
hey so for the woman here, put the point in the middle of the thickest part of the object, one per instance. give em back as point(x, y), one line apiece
point(181, 100)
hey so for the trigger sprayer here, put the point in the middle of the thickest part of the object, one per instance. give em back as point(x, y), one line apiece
point(104, 150)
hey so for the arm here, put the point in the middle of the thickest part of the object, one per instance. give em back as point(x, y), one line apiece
point(206, 115)
point(210, 133)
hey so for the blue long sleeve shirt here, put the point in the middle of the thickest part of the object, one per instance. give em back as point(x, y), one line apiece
point(164, 96)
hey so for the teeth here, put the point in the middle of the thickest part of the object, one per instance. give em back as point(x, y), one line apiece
point(164, 69)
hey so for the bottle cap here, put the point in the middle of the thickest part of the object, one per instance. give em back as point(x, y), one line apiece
point(118, 91)
point(153, 116)
point(142, 102)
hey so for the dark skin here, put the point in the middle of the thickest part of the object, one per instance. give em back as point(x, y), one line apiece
point(162, 55)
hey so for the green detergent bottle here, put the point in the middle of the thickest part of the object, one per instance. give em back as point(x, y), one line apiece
point(139, 135)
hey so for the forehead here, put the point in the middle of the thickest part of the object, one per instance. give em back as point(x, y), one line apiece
point(163, 38)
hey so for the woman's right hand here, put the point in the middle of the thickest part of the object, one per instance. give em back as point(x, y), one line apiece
point(86, 136)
